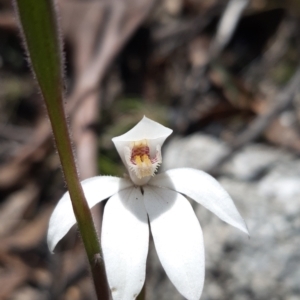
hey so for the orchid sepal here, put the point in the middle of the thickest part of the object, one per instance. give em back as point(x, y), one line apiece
point(205, 190)
point(63, 218)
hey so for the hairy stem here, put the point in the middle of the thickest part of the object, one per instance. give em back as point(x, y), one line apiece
point(39, 28)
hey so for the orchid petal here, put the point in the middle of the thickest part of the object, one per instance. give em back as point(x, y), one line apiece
point(125, 238)
point(95, 190)
point(146, 129)
point(178, 239)
point(205, 190)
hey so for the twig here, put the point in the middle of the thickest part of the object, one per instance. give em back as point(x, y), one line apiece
point(16, 133)
point(227, 26)
point(261, 122)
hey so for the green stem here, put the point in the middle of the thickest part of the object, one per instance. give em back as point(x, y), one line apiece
point(80, 206)
point(40, 33)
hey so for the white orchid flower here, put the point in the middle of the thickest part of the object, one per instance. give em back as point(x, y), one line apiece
point(144, 198)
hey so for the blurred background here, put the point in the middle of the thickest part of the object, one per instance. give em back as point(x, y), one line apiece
point(223, 74)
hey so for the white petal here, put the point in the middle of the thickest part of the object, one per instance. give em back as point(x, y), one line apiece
point(178, 239)
point(204, 189)
point(95, 189)
point(146, 129)
point(125, 238)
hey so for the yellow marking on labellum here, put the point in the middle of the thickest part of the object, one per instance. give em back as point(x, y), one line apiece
point(139, 159)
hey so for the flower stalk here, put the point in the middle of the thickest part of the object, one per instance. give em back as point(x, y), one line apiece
point(39, 27)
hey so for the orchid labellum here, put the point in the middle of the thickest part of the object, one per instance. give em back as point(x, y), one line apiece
point(141, 198)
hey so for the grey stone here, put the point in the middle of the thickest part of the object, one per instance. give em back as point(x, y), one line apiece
point(254, 160)
point(195, 151)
